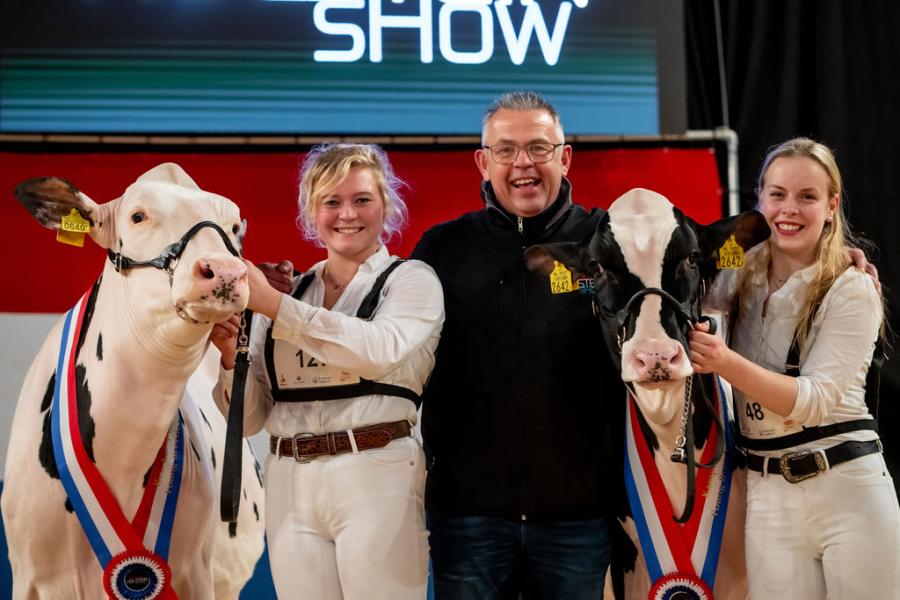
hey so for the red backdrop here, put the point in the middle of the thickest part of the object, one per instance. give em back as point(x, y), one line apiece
point(45, 276)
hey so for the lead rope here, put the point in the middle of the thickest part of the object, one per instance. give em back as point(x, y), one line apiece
point(230, 499)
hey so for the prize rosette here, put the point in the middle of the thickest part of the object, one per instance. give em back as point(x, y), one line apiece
point(680, 586)
point(136, 575)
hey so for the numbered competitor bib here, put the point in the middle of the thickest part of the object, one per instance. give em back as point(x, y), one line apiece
point(296, 369)
point(760, 423)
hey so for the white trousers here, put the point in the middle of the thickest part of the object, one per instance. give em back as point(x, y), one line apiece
point(349, 527)
point(834, 536)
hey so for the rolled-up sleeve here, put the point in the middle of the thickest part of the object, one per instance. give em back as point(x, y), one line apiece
point(840, 355)
point(410, 313)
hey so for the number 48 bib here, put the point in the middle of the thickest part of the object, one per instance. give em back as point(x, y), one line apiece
point(760, 423)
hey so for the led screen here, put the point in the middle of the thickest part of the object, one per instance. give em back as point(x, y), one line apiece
point(320, 67)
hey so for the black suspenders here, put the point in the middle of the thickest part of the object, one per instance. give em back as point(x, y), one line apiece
point(809, 434)
point(365, 387)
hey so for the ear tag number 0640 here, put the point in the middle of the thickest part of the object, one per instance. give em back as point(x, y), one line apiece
point(72, 229)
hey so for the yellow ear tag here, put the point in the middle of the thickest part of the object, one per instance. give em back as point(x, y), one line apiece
point(731, 255)
point(560, 279)
point(72, 228)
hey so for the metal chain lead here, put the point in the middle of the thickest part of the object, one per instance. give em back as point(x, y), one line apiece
point(679, 454)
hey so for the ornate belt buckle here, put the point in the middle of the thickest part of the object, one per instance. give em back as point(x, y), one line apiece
point(301, 458)
point(784, 464)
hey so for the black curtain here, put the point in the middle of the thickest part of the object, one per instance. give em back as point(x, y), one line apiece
point(827, 69)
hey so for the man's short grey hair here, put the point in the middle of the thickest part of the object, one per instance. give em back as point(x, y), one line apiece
point(519, 100)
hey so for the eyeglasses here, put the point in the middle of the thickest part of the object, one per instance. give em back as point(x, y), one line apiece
point(506, 154)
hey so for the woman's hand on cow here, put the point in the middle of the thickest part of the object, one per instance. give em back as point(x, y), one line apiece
point(264, 298)
point(224, 337)
point(709, 353)
point(279, 275)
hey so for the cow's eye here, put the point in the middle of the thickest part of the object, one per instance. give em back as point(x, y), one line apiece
point(138, 217)
point(692, 258)
point(235, 228)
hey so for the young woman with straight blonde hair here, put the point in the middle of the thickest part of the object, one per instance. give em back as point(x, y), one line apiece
point(822, 514)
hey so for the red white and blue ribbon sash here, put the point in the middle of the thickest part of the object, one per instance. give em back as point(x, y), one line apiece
point(132, 554)
point(673, 551)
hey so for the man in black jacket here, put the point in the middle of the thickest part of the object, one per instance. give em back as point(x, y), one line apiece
point(516, 415)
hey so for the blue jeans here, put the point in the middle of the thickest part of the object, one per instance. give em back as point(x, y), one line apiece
point(493, 558)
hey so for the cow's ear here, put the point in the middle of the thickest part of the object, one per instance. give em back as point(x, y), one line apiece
point(748, 228)
point(49, 199)
point(540, 258)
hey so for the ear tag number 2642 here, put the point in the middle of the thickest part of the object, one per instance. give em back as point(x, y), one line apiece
point(560, 279)
point(731, 255)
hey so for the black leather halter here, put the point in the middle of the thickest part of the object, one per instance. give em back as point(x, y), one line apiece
point(169, 257)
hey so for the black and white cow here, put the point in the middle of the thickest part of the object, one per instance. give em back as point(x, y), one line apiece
point(146, 332)
point(648, 264)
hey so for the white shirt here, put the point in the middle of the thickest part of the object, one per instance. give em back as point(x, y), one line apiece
point(834, 360)
point(397, 346)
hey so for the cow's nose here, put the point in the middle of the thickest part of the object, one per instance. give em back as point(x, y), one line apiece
point(652, 361)
point(220, 269)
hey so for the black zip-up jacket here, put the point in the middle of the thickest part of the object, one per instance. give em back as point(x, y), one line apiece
point(517, 412)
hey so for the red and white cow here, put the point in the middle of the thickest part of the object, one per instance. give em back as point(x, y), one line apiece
point(146, 335)
point(648, 263)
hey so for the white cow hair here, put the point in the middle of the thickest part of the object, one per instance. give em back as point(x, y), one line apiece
point(168, 173)
point(642, 223)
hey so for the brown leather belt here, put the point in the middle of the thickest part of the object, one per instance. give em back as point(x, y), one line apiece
point(304, 447)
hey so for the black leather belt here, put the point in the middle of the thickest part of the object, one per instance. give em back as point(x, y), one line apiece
point(798, 466)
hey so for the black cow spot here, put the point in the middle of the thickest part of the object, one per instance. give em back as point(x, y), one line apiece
point(48, 394)
point(212, 452)
point(256, 511)
point(623, 559)
point(147, 476)
point(85, 423)
point(205, 420)
point(197, 454)
point(257, 470)
point(99, 346)
point(244, 491)
point(45, 450)
point(232, 530)
point(659, 373)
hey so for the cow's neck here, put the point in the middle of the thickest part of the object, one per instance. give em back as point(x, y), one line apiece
point(137, 368)
point(662, 411)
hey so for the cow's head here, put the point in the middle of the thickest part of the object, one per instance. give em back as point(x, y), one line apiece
point(206, 279)
point(644, 244)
